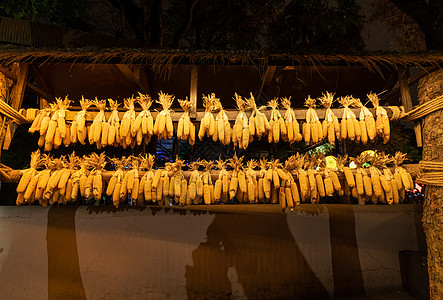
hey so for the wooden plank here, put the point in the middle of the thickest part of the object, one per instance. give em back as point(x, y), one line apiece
point(406, 101)
point(193, 91)
point(131, 77)
point(37, 75)
point(232, 114)
point(33, 88)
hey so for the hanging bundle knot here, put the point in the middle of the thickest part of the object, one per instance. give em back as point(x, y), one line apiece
point(430, 173)
point(397, 112)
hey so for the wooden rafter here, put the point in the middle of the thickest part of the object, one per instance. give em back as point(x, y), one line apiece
point(124, 69)
point(33, 88)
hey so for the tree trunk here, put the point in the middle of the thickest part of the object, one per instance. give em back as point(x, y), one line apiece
point(429, 88)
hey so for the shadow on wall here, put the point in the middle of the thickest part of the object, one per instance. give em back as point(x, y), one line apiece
point(264, 253)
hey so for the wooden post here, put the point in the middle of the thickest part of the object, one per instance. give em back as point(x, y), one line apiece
point(36, 74)
point(193, 91)
point(131, 77)
point(16, 102)
point(429, 88)
point(406, 101)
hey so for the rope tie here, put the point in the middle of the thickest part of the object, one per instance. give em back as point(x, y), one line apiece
point(422, 110)
point(397, 112)
point(431, 173)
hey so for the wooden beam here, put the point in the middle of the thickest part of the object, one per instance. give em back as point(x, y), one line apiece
point(16, 102)
point(300, 114)
point(267, 78)
point(37, 75)
point(33, 88)
point(193, 91)
point(124, 69)
point(406, 101)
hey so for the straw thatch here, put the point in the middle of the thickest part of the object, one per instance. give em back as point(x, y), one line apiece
point(12, 53)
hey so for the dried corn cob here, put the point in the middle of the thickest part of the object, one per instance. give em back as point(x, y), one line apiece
point(207, 123)
point(184, 123)
point(382, 126)
point(222, 130)
point(126, 137)
point(291, 123)
point(240, 130)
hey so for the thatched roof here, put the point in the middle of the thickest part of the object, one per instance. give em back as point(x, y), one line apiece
point(374, 61)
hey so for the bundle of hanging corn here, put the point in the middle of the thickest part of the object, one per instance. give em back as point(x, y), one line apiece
point(115, 183)
point(276, 123)
point(133, 180)
point(331, 176)
point(258, 123)
point(221, 186)
point(163, 127)
point(56, 132)
point(143, 126)
point(195, 186)
point(94, 181)
point(330, 125)
point(222, 130)
point(65, 185)
point(363, 182)
point(29, 178)
point(348, 184)
point(37, 122)
point(237, 185)
point(391, 190)
point(291, 123)
point(49, 192)
point(98, 132)
point(178, 186)
point(312, 128)
point(349, 126)
point(78, 126)
point(207, 123)
point(79, 178)
point(185, 128)
point(113, 125)
point(382, 126)
point(292, 196)
point(251, 181)
point(402, 177)
point(300, 162)
point(208, 187)
point(145, 188)
point(240, 130)
point(367, 122)
point(380, 184)
point(276, 176)
point(126, 138)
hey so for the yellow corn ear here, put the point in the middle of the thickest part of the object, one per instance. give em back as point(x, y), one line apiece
point(288, 197)
point(134, 194)
point(295, 194)
point(233, 187)
point(395, 194)
point(275, 179)
point(376, 185)
point(359, 183)
point(320, 133)
point(31, 187)
point(282, 197)
point(207, 194)
point(251, 191)
point(261, 191)
point(367, 183)
point(183, 192)
point(363, 131)
point(282, 174)
point(370, 126)
point(68, 190)
point(306, 128)
point(320, 185)
point(44, 125)
point(385, 183)
point(24, 181)
point(267, 187)
point(304, 185)
point(148, 189)
point(398, 179)
point(111, 185)
point(314, 133)
point(218, 189)
point(335, 180)
point(97, 186)
point(343, 129)
point(116, 194)
point(329, 187)
point(242, 181)
point(225, 184)
point(199, 185)
point(349, 176)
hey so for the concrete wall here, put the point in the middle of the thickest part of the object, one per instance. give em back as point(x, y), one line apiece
point(238, 251)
